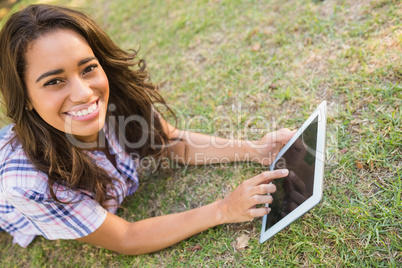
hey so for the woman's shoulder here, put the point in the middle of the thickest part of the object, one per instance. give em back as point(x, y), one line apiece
point(10, 148)
point(16, 170)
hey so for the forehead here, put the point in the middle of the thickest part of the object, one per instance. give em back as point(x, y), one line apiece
point(55, 49)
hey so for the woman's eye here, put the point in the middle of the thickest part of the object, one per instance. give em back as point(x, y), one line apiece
point(89, 69)
point(53, 82)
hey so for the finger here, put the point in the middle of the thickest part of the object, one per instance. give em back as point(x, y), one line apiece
point(264, 189)
point(260, 199)
point(259, 212)
point(268, 176)
point(285, 134)
point(289, 135)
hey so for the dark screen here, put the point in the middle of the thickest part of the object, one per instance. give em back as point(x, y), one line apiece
point(297, 187)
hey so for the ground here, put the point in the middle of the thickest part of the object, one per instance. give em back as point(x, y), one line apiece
point(246, 67)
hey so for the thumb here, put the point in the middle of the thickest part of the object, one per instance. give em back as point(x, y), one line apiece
point(288, 135)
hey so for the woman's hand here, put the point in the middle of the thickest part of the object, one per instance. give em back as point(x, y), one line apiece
point(240, 205)
point(267, 148)
point(156, 233)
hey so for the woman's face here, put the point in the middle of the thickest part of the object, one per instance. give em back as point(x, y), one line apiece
point(66, 84)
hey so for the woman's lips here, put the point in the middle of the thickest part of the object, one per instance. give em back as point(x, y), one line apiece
point(85, 114)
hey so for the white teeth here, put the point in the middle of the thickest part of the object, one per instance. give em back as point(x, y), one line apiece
point(83, 112)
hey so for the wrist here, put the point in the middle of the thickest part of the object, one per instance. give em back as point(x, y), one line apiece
point(221, 211)
point(249, 150)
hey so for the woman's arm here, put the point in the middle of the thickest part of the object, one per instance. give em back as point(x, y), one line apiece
point(204, 149)
point(153, 234)
point(156, 233)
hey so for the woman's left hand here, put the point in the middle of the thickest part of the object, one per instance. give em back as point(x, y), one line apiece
point(266, 149)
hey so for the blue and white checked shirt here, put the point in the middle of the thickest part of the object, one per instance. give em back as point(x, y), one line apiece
point(27, 209)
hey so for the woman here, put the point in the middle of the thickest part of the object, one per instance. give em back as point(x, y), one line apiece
point(80, 114)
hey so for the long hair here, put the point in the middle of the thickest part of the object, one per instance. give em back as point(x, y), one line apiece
point(131, 93)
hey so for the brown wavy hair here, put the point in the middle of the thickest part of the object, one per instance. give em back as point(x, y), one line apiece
point(49, 149)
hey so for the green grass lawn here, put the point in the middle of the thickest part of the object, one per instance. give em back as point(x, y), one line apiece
point(257, 65)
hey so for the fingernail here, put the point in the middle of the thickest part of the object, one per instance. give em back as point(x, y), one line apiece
point(284, 172)
point(268, 210)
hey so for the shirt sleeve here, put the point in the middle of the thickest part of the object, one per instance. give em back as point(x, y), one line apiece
point(57, 220)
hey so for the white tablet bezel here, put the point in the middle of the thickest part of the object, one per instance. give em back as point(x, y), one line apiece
point(321, 112)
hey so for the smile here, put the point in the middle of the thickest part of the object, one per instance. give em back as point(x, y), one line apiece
point(85, 113)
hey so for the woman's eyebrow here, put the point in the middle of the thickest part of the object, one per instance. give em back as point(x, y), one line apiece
point(53, 72)
point(81, 62)
point(59, 71)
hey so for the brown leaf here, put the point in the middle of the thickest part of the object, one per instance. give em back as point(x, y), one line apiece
point(252, 33)
point(359, 164)
point(371, 166)
point(242, 242)
point(307, 41)
point(273, 86)
point(192, 249)
point(256, 47)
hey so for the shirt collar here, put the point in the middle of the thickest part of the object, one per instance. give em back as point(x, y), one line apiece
point(111, 138)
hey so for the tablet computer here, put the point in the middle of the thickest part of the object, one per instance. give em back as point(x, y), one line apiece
point(302, 189)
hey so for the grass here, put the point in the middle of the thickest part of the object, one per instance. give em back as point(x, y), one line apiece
point(201, 55)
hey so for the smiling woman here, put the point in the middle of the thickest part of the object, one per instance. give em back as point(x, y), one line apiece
point(74, 85)
point(80, 112)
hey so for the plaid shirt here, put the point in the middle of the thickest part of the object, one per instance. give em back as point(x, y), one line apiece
point(27, 209)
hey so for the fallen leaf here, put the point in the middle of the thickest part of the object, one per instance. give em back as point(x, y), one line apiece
point(344, 150)
point(242, 242)
point(359, 164)
point(273, 86)
point(256, 47)
point(371, 166)
point(192, 249)
point(255, 30)
point(307, 41)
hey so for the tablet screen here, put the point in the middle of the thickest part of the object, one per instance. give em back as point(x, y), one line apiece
point(297, 187)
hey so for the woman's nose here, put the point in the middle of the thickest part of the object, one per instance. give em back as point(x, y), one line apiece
point(80, 91)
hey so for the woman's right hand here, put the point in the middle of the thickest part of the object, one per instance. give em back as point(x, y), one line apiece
point(156, 233)
point(240, 205)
